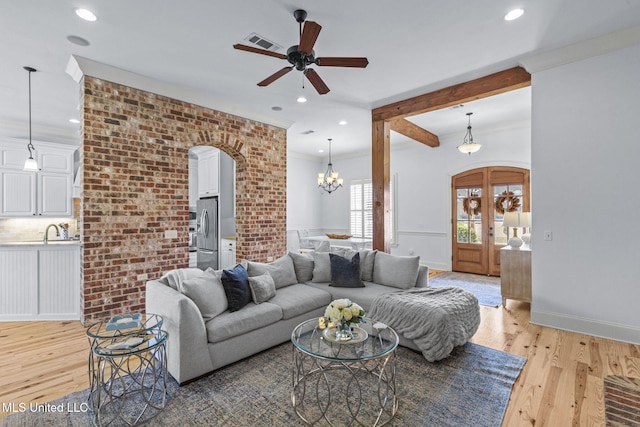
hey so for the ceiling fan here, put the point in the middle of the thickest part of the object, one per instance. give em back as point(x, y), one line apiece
point(301, 56)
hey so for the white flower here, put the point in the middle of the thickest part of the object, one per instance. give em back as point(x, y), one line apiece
point(344, 310)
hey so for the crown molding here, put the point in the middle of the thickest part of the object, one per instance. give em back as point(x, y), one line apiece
point(582, 50)
point(78, 67)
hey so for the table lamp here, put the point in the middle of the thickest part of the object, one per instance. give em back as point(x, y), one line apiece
point(515, 220)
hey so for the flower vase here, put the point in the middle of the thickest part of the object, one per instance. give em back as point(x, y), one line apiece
point(343, 332)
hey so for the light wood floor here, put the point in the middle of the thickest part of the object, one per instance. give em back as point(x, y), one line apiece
point(560, 385)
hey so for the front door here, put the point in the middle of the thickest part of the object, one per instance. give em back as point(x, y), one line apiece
point(480, 197)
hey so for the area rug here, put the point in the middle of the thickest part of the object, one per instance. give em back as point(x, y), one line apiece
point(485, 288)
point(622, 401)
point(469, 388)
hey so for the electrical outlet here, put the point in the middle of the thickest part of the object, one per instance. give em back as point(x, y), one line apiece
point(548, 235)
point(269, 259)
point(170, 234)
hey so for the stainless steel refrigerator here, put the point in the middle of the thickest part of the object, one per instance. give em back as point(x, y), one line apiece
point(207, 229)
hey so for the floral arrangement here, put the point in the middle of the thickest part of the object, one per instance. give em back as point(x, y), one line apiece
point(343, 311)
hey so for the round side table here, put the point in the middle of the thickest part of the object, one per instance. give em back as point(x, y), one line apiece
point(127, 371)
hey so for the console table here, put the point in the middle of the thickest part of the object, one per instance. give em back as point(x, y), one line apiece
point(515, 273)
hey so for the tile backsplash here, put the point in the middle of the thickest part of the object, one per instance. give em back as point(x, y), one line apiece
point(30, 229)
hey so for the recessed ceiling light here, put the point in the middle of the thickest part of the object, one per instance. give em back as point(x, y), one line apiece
point(301, 99)
point(74, 121)
point(342, 122)
point(276, 108)
point(321, 151)
point(86, 14)
point(513, 14)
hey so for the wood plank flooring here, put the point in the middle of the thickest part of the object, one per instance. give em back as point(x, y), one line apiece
point(561, 383)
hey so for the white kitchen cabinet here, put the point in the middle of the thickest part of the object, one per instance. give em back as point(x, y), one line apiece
point(193, 182)
point(227, 253)
point(46, 192)
point(40, 282)
point(208, 173)
point(193, 259)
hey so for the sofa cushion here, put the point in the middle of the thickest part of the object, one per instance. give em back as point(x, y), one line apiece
point(345, 273)
point(299, 299)
point(321, 267)
point(251, 317)
point(262, 288)
point(364, 297)
point(397, 271)
point(367, 258)
point(236, 287)
point(281, 270)
point(174, 278)
point(207, 293)
point(303, 266)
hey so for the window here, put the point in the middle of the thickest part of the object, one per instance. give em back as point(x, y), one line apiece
point(361, 209)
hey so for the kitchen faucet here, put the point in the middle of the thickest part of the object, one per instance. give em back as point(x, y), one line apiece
point(46, 232)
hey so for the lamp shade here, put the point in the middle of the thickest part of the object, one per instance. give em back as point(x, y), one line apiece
point(511, 219)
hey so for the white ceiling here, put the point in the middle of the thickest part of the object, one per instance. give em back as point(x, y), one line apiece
point(413, 47)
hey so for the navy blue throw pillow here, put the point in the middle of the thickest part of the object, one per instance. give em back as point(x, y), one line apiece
point(345, 273)
point(236, 287)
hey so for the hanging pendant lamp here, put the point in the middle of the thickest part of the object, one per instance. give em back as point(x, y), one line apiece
point(468, 146)
point(329, 180)
point(30, 164)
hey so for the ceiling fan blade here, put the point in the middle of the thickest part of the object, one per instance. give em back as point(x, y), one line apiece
point(309, 36)
point(342, 62)
point(275, 76)
point(316, 81)
point(260, 51)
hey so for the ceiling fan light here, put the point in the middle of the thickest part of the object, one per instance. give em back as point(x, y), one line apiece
point(301, 99)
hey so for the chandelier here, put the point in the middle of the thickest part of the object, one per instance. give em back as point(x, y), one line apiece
point(468, 146)
point(329, 180)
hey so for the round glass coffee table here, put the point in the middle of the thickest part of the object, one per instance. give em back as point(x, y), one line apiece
point(339, 382)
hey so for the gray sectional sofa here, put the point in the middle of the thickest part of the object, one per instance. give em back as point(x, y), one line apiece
point(205, 335)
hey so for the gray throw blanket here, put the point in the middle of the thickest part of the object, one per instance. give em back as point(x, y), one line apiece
point(436, 319)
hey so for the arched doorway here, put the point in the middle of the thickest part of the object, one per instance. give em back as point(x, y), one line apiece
point(480, 197)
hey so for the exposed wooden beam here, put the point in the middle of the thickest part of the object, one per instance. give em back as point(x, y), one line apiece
point(493, 84)
point(380, 176)
point(413, 131)
point(383, 117)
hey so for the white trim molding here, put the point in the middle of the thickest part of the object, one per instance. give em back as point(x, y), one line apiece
point(583, 50)
point(582, 325)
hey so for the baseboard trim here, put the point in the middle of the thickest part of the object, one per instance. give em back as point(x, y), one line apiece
point(582, 325)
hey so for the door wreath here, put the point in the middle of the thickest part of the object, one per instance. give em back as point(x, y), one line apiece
point(507, 202)
point(471, 205)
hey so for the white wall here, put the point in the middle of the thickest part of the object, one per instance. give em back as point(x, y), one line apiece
point(423, 187)
point(585, 159)
point(303, 200)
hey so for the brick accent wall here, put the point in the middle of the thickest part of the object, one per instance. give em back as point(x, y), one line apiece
point(135, 187)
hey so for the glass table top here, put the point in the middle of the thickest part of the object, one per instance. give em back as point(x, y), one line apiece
point(105, 330)
point(371, 340)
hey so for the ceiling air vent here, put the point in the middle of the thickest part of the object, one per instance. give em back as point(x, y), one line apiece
point(263, 43)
